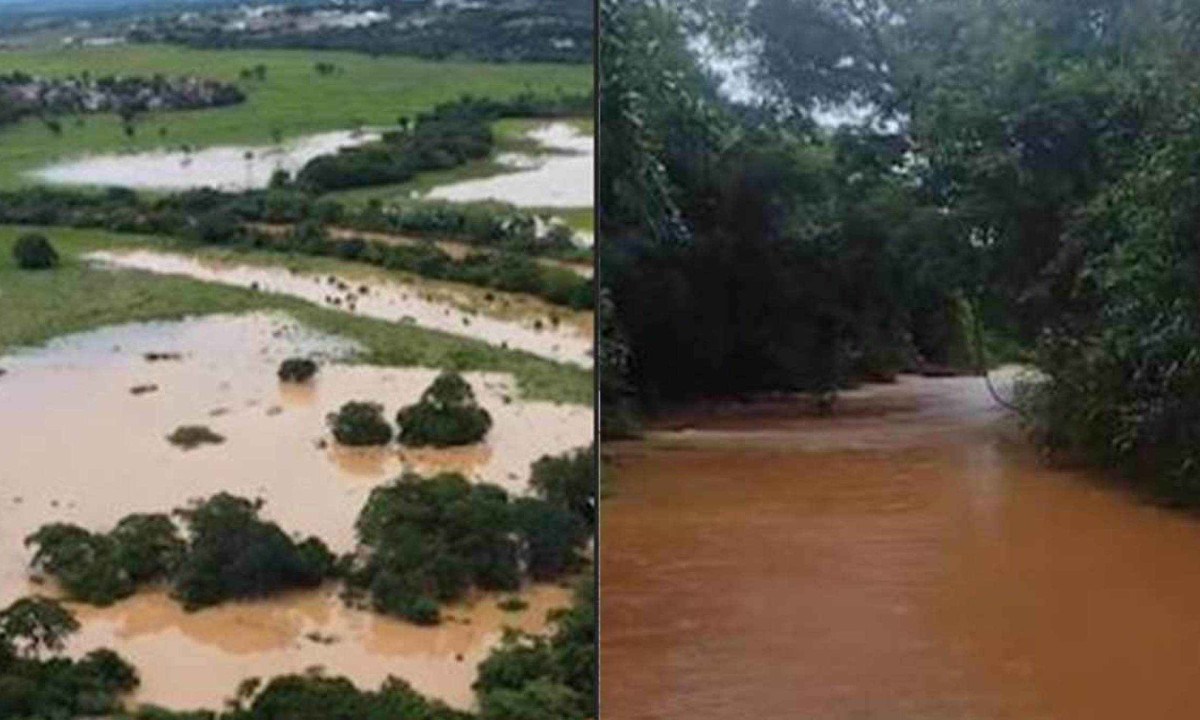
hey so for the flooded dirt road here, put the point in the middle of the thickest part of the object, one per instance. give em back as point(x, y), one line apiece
point(83, 426)
point(909, 558)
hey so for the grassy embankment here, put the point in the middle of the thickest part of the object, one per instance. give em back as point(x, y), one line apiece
point(38, 305)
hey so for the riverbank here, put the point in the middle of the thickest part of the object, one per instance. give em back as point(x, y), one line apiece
point(910, 556)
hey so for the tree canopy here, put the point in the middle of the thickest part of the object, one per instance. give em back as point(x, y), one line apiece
point(1015, 178)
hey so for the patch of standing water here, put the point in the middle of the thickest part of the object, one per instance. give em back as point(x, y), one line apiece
point(81, 446)
point(391, 300)
point(560, 180)
point(225, 167)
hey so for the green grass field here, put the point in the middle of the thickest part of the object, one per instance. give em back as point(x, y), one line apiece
point(292, 100)
point(38, 305)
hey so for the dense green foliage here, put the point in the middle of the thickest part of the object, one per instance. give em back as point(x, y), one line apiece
point(359, 424)
point(744, 252)
point(447, 414)
point(101, 568)
point(427, 541)
point(35, 683)
point(506, 236)
point(1022, 170)
point(229, 552)
point(34, 252)
point(568, 482)
point(536, 678)
point(232, 553)
point(447, 136)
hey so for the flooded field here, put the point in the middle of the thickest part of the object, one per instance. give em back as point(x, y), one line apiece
point(83, 422)
point(456, 250)
point(910, 557)
point(563, 178)
point(225, 167)
point(568, 341)
point(297, 632)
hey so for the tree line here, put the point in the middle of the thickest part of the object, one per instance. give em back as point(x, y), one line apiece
point(505, 31)
point(507, 237)
point(1018, 178)
point(448, 136)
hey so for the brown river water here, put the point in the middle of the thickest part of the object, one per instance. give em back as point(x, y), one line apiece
point(78, 445)
point(909, 558)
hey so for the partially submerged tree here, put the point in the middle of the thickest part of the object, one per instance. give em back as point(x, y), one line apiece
point(568, 481)
point(33, 686)
point(297, 369)
point(229, 553)
point(35, 625)
point(360, 424)
point(232, 553)
point(447, 414)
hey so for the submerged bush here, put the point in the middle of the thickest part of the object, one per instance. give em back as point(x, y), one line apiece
point(229, 553)
point(35, 682)
point(232, 553)
point(425, 541)
point(359, 424)
point(101, 568)
point(297, 369)
point(447, 414)
point(568, 481)
point(34, 252)
point(189, 437)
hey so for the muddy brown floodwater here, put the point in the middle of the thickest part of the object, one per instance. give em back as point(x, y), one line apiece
point(78, 444)
point(908, 558)
point(391, 300)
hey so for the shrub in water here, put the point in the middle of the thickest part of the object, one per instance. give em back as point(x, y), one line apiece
point(447, 414)
point(297, 370)
point(232, 553)
point(189, 437)
point(34, 252)
point(424, 541)
point(359, 424)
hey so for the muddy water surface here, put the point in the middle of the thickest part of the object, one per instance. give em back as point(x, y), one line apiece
point(560, 180)
point(391, 300)
point(226, 167)
point(78, 444)
point(192, 660)
point(909, 558)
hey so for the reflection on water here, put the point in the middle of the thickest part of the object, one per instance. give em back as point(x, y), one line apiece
point(910, 558)
point(76, 445)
